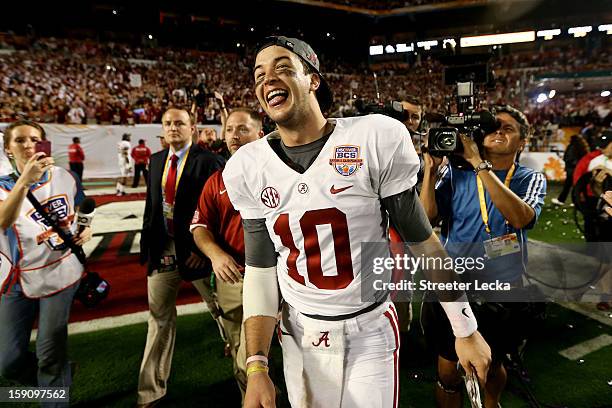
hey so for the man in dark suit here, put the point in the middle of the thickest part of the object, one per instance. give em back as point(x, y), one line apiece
point(176, 178)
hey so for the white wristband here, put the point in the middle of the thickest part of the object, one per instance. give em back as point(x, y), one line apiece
point(262, 359)
point(461, 318)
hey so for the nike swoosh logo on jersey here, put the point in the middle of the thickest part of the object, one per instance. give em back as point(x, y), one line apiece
point(464, 312)
point(334, 190)
point(222, 191)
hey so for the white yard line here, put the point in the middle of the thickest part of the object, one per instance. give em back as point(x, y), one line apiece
point(586, 347)
point(600, 317)
point(125, 320)
point(135, 249)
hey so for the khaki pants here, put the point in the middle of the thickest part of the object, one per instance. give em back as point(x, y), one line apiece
point(229, 299)
point(162, 289)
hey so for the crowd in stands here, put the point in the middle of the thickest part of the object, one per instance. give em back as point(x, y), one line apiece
point(383, 4)
point(75, 81)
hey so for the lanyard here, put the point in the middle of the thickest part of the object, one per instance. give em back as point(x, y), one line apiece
point(179, 172)
point(483, 203)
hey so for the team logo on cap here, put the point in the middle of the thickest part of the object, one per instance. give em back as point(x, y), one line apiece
point(312, 57)
point(346, 159)
point(270, 197)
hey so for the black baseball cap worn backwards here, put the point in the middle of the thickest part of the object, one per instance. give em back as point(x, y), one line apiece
point(306, 53)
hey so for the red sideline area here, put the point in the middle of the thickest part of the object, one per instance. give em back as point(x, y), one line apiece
point(127, 278)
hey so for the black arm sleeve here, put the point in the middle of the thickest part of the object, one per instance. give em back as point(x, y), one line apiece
point(407, 216)
point(258, 247)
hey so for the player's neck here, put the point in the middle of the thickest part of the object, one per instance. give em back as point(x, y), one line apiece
point(311, 129)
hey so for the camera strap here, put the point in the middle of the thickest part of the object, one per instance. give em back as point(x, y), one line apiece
point(53, 222)
point(483, 203)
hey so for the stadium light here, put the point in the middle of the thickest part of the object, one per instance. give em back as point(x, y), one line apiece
point(401, 47)
point(150, 37)
point(427, 44)
point(580, 31)
point(377, 50)
point(605, 27)
point(496, 39)
point(448, 41)
point(541, 98)
point(548, 34)
point(605, 94)
point(115, 12)
point(552, 94)
point(389, 49)
point(252, 29)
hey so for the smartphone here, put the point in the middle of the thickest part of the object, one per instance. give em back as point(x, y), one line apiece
point(38, 148)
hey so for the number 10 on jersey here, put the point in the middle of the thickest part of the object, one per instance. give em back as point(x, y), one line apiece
point(336, 219)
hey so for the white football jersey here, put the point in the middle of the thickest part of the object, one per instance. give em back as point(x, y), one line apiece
point(122, 147)
point(319, 219)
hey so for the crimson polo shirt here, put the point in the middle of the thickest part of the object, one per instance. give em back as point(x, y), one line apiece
point(216, 213)
point(75, 153)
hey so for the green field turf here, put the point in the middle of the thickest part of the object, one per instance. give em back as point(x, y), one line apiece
point(556, 224)
point(108, 363)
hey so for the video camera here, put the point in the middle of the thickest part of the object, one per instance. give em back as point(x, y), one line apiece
point(464, 72)
point(393, 109)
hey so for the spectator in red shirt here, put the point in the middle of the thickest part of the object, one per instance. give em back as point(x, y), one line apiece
point(217, 231)
point(76, 156)
point(141, 155)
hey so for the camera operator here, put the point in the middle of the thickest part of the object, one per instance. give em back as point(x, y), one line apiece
point(499, 198)
point(45, 273)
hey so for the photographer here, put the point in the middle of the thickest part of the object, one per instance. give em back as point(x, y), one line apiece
point(500, 198)
point(45, 274)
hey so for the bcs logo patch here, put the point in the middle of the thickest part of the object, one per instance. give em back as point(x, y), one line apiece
point(270, 197)
point(346, 159)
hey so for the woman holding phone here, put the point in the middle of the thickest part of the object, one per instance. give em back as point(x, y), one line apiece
point(44, 274)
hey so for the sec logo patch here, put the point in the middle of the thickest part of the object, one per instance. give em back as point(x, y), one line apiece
point(270, 197)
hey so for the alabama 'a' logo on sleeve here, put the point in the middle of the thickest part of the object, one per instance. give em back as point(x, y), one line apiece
point(346, 159)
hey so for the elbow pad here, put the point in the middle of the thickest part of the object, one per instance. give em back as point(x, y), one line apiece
point(260, 292)
point(461, 318)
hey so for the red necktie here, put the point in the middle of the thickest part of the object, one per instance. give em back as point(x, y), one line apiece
point(170, 189)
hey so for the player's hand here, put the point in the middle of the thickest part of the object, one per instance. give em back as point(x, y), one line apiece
point(35, 167)
point(226, 268)
point(83, 236)
point(260, 391)
point(608, 198)
point(470, 151)
point(474, 353)
point(195, 261)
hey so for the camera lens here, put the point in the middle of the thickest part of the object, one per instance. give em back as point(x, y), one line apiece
point(447, 141)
